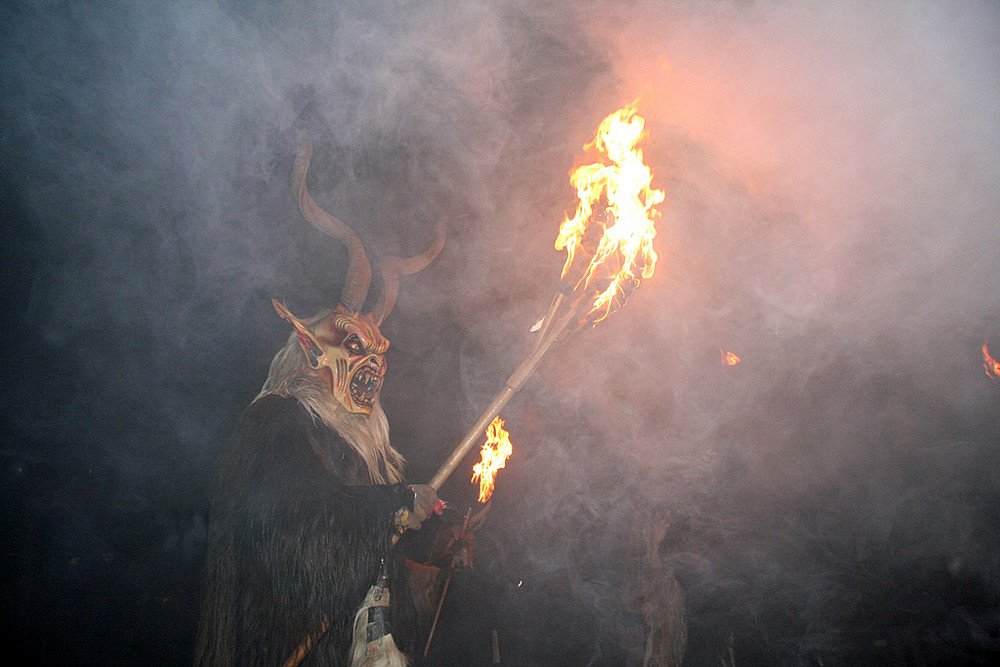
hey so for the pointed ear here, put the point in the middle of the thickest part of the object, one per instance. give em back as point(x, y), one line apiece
point(306, 339)
point(283, 311)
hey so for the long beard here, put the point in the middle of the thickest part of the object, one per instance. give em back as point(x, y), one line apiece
point(368, 435)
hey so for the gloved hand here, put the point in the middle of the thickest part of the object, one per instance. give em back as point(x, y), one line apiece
point(425, 503)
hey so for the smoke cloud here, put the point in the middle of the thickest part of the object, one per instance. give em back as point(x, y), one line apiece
point(831, 177)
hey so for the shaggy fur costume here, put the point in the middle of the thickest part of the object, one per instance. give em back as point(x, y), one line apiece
point(298, 534)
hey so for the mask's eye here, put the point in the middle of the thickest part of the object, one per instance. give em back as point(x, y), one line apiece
point(353, 345)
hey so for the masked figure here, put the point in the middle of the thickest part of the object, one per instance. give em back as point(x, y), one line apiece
point(300, 566)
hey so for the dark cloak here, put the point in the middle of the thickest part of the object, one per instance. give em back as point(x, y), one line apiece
point(296, 536)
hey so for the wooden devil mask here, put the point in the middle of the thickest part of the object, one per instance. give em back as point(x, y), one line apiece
point(345, 345)
point(346, 348)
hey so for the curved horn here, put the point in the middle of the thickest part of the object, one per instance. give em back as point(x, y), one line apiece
point(359, 270)
point(393, 267)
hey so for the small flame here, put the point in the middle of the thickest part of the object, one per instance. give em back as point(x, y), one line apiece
point(729, 358)
point(991, 365)
point(496, 449)
point(615, 200)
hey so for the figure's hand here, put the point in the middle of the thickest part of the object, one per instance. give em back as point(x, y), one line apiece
point(425, 503)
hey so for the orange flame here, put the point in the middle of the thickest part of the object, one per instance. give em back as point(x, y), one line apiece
point(614, 194)
point(991, 365)
point(496, 449)
point(729, 358)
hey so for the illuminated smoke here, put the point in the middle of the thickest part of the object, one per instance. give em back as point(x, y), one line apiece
point(831, 175)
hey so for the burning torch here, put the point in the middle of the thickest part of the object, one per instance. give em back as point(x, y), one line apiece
point(609, 247)
point(991, 365)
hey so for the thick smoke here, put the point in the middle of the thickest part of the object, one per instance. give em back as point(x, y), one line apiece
point(831, 176)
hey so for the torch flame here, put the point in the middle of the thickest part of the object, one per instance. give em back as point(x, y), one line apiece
point(614, 194)
point(729, 358)
point(991, 365)
point(496, 449)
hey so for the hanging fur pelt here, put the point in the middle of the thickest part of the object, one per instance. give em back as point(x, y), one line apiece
point(301, 529)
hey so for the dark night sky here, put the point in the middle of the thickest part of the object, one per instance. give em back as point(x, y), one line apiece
point(832, 179)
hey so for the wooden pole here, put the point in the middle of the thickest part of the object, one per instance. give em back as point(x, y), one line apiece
point(513, 385)
point(447, 582)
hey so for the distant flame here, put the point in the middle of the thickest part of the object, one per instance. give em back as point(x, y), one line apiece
point(615, 200)
point(991, 365)
point(729, 358)
point(495, 452)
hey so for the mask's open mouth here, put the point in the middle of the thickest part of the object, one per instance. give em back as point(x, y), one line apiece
point(365, 384)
